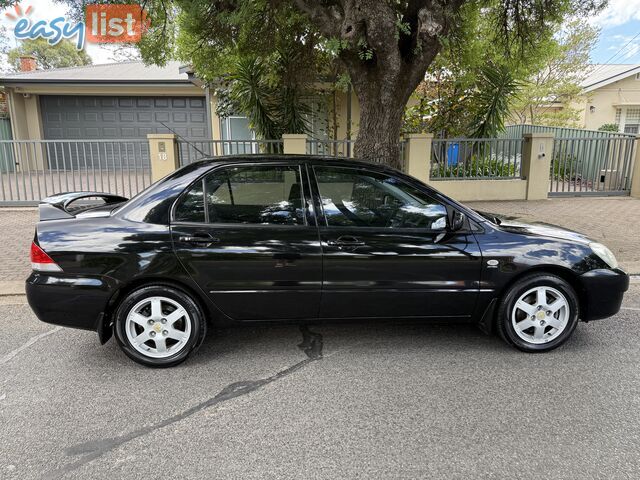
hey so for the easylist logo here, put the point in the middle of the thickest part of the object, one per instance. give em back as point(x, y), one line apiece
point(103, 24)
point(115, 23)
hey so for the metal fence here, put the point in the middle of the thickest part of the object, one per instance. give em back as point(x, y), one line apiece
point(34, 169)
point(331, 148)
point(476, 158)
point(592, 166)
point(198, 150)
point(512, 131)
point(344, 148)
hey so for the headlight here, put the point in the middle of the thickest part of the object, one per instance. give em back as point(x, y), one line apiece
point(605, 254)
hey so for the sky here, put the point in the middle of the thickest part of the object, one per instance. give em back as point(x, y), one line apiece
point(619, 24)
point(619, 40)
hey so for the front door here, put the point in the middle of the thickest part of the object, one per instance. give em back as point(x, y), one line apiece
point(243, 234)
point(388, 251)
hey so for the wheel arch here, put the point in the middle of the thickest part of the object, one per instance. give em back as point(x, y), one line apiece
point(565, 273)
point(106, 327)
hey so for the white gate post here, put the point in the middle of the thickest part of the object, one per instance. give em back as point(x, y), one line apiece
point(635, 171)
point(163, 154)
point(536, 164)
point(294, 143)
point(418, 155)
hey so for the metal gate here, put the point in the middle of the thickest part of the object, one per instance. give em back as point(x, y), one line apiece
point(592, 166)
point(42, 168)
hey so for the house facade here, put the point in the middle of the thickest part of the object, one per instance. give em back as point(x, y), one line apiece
point(130, 100)
point(613, 96)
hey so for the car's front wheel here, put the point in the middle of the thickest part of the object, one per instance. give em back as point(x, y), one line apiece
point(159, 326)
point(538, 313)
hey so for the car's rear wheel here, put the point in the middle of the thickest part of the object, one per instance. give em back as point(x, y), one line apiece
point(538, 313)
point(159, 326)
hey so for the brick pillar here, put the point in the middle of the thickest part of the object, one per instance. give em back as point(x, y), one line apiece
point(418, 156)
point(536, 164)
point(295, 143)
point(163, 153)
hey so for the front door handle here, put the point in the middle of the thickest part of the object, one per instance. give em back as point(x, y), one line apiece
point(346, 241)
point(206, 239)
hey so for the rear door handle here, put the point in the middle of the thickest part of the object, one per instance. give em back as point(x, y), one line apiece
point(346, 241)
point(199, 239)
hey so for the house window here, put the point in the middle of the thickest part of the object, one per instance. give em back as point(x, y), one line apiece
point(618, 116)
point(236, 129)
point(632, 120)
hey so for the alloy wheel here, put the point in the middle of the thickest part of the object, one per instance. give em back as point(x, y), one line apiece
point(158, 327)
point(540, 315)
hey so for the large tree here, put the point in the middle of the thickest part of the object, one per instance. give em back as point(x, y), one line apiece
point(557, 82)
point(63, 54)
point(385, 46)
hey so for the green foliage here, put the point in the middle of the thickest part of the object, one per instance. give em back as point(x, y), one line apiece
point(365, 52)
point(564, 167)
point(477, 166)
point(549, 93)
point(387, 47)
point(491, 100)
point(551, 70)
point(609, 127)
point(273, 109)
point(64, 54)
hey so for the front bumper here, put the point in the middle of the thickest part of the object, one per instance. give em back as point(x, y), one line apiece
point(603, 293)
point(69, 300)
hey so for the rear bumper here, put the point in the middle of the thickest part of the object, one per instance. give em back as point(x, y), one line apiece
point(67, 300)
point(603, 293)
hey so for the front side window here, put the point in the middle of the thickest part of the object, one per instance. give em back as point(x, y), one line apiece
point(249, 195)
point(354, 197)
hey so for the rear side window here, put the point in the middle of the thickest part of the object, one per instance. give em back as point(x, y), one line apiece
point(248, 195)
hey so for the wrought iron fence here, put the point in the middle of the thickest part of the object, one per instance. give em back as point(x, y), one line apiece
point(34, 169)
point(198, 150)
point(592, 166)
point(476, 158)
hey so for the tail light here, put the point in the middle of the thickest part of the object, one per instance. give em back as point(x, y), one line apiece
point(42, 262)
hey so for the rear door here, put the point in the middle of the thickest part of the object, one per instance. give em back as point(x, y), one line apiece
point(388, 251)
point(245, 234)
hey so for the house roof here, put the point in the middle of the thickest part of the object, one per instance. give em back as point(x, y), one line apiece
point(123, 72)
point(602, 75)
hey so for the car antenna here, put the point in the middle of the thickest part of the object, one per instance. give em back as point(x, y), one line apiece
point(185, 140)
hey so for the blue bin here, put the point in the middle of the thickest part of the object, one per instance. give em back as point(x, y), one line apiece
point(452, 154)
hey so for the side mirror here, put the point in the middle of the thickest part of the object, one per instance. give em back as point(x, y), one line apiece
point(457, 221)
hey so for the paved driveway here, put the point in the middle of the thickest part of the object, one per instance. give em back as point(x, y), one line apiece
point(336, 401)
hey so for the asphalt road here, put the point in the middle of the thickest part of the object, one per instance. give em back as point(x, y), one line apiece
point(331, 401)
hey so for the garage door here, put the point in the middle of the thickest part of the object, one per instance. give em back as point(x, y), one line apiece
point(67, 117)
point(71, 117)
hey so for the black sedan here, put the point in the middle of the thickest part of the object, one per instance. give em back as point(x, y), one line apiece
point(239, 240)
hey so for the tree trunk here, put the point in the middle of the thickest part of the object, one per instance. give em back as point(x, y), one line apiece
point(385, 60)
point(380, 124)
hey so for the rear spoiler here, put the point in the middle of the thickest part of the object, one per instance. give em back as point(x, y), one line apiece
point(58, 206)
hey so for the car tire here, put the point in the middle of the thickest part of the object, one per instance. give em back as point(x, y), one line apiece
point(159, 325)
point(528, 317)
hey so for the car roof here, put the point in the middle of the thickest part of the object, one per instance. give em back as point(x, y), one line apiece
point(279, 158)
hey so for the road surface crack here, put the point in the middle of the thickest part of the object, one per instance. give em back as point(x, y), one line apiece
point(9, 356)
point(312, 344)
